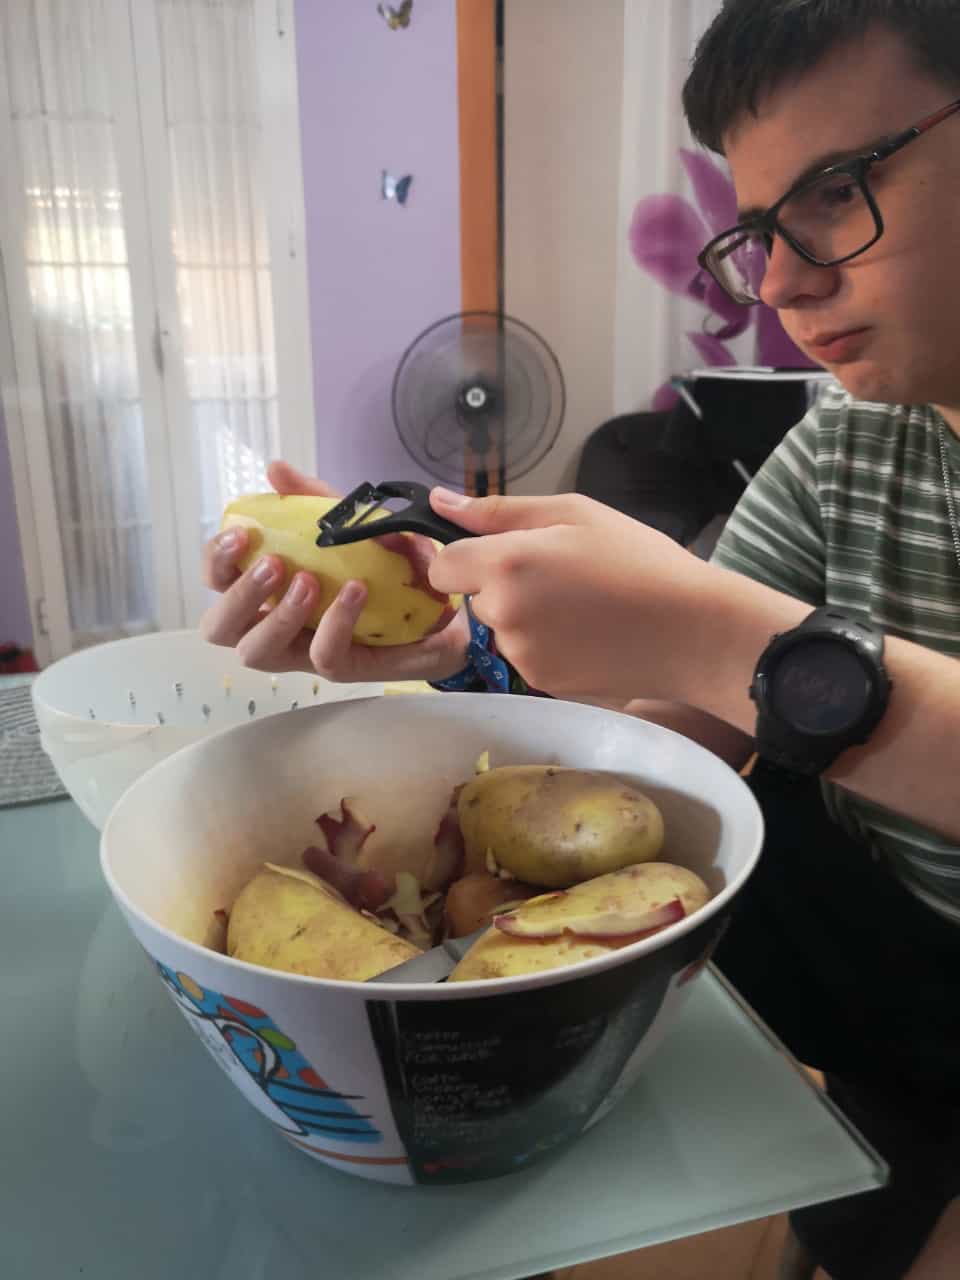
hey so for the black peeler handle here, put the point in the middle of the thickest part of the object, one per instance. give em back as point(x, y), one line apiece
point(345, 522)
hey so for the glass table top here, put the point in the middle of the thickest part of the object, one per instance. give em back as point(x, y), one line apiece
point(119, 1163)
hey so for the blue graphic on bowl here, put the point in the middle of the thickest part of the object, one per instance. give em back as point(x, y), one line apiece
point(267, 1065)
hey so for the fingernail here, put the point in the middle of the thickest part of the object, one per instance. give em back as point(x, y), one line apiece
point(227, 540)
point(264, 571)
point(298, 590)
point(351, 594)
point(447, 498)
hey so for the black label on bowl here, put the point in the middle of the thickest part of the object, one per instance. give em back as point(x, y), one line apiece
point(482, 1086)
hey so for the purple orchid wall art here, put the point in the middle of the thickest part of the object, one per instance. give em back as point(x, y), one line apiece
point(666, 234)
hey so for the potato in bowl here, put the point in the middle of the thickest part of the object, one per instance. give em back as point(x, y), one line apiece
point(416, 1084)
point(507, 834)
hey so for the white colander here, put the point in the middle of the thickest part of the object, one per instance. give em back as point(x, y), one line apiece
point(109, 713)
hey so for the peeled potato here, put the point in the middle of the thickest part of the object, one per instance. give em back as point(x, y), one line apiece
point(401, 605)
point(497, 955)
point(626, 902)
point(292, 920)
point(556, 827)
point(558, 929)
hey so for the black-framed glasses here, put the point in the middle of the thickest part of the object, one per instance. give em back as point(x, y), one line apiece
point(827, 219)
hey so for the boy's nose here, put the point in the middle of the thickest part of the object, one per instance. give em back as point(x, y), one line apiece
point(789, 277)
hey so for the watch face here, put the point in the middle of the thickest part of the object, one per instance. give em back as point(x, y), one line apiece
point(819, 686)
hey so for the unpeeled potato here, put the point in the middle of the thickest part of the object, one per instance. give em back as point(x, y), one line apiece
point(471, 901)
point(401, 605)
point(556, 827)
point(289, 919)
point(590, 919)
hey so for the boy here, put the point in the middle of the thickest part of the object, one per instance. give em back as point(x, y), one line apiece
point(840, 120)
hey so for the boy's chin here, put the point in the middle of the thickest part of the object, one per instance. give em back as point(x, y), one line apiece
point(865, 381)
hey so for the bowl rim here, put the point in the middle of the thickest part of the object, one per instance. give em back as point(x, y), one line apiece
point(478, 987)
point(40, 698)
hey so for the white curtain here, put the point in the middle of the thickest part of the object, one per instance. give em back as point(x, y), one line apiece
point(202, 145)
point(78, 273)
point(220, 243)
point(671, 201)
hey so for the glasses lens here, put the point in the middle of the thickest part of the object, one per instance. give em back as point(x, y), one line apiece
point(830, 217)
point(738, 263)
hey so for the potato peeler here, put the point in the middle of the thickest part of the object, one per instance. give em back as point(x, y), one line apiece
point(346, 522)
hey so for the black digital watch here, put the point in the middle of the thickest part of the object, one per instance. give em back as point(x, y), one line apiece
point(819, 688)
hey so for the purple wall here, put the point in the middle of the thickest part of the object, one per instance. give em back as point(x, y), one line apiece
point(373, 99)
point(14, 608)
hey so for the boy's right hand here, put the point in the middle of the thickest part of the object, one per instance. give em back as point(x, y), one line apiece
point(280, 639)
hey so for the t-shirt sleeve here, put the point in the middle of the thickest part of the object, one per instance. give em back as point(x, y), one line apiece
point(775, 533)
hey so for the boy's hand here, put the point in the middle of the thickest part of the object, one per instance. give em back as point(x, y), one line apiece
point(584, 601)
point(280, 639)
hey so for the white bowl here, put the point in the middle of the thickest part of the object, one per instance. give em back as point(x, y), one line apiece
point(416, 1083)
point(109, 713)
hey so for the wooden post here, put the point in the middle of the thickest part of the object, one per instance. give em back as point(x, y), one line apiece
point(480, 195)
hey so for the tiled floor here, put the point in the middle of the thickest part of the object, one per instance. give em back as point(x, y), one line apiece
point(750, 1251)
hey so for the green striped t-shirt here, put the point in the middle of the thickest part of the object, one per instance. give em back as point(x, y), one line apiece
point(851, 510)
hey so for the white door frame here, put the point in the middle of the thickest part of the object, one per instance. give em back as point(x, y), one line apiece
point(144, 162)
point(282, 168)
point(25, 414)
point(23, 496)
point(154, 309)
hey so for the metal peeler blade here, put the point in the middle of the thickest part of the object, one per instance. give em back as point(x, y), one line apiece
point(345, 522)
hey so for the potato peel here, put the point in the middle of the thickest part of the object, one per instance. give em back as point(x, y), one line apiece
point(525, 923)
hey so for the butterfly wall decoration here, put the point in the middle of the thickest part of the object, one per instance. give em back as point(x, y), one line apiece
point(392, 188)
point(396, 17)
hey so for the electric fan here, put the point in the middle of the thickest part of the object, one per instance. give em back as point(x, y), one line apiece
point(478, 400)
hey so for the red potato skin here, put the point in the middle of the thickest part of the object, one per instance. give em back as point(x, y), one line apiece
point(598, 926)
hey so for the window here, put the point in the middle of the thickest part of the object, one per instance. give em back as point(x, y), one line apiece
point(148, 246)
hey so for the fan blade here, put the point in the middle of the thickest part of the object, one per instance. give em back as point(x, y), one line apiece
point(497, 354)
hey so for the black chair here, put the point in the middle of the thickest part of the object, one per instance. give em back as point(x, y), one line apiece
point(675, 470)
point(624, 464)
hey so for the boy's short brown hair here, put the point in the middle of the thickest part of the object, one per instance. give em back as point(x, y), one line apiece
point(753, 46)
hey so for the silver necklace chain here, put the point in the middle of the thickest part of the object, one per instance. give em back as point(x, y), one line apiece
point(948, 489)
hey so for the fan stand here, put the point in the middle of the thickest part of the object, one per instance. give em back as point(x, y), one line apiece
point(483, 460)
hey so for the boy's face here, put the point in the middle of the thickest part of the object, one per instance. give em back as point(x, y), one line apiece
point(902, 294)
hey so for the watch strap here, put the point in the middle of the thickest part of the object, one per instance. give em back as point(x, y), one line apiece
point(782, 749)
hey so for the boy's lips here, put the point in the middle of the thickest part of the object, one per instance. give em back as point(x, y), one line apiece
point(837, 346)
